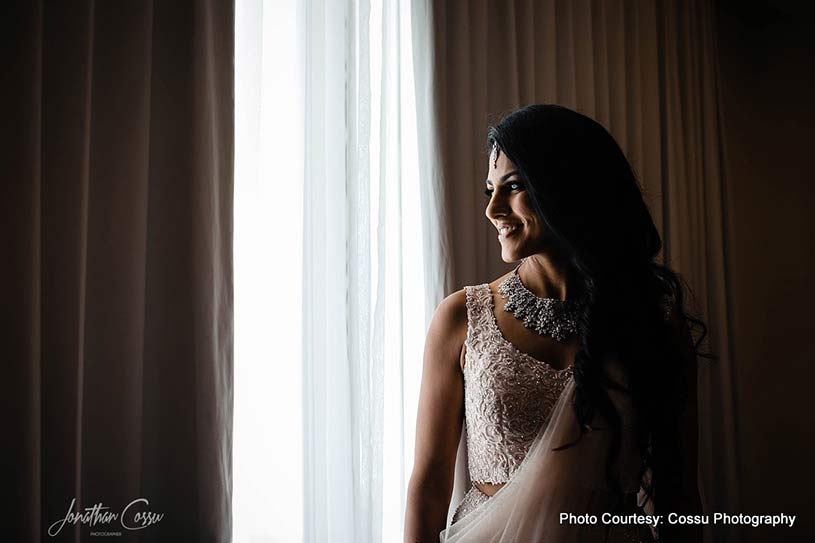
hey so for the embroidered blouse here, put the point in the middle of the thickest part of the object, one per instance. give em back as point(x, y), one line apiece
point(508, 394)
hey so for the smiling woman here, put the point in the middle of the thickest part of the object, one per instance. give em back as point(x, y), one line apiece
point(578, 393)
point(511, 210)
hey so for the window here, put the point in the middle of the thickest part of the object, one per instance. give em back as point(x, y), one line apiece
point(331, 305)
point(268, 241)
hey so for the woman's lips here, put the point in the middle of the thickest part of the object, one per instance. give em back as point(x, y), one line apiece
point(507, 231)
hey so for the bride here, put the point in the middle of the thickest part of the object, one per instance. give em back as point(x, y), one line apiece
point(572, 377)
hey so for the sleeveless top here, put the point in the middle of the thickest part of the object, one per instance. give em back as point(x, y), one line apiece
point(508, 394)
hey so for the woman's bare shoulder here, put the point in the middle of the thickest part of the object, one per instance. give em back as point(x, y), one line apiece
point(451, 314)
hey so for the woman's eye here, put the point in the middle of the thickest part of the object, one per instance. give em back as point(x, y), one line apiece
point(511, 185)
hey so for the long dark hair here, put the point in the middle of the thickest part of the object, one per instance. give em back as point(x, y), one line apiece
point(587, 194)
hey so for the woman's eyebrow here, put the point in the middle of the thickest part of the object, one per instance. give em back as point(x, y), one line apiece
point(503, 177)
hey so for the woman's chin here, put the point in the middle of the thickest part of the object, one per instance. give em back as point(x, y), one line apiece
point(509, 257)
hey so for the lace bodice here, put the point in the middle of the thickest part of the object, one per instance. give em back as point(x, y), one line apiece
point(508, 394)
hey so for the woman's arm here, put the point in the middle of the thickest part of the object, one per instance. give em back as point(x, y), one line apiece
point(439, 422)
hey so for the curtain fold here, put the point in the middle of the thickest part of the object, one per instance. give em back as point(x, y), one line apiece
point(435, 225)
point(117, 214)
point(696, 238)
point(331, 451)
point(645, 70)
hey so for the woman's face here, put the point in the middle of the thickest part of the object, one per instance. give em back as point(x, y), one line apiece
point(520, 231)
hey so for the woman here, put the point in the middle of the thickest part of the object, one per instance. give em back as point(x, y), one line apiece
point(574, 375)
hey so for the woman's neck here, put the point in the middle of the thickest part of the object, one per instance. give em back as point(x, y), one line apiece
point(547, 277)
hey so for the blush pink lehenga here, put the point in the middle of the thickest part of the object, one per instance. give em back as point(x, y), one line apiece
point(517, 409)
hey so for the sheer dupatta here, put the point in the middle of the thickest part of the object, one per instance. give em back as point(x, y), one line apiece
point(548, 483)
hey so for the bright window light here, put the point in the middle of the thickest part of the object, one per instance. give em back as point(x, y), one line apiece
point(267, 446)
point(270, 113)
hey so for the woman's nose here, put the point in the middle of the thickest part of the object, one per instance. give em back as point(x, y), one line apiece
point(497, 206)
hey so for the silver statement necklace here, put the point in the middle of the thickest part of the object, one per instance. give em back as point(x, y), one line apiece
point(546, 316)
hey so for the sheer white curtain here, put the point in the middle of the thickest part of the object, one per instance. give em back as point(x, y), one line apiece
point(325, 455)
point(366, 284)
point(267, 501)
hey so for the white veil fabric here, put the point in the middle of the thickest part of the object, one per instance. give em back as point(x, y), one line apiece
point(547, 483)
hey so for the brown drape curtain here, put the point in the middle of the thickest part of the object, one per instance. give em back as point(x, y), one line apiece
point(647, 71)
point(765, 55)
point(116, 216)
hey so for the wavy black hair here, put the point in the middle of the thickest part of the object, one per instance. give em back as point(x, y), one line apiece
point(586, 192)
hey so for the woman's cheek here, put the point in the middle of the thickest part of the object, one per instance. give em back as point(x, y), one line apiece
point(526, 203)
